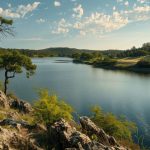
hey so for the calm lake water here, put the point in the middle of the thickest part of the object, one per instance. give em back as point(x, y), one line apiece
point(83, 86)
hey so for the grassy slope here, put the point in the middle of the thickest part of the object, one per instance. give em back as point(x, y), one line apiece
point(127, 62)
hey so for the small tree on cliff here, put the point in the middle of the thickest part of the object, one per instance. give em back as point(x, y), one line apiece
point(14, 62)
point(6, 26)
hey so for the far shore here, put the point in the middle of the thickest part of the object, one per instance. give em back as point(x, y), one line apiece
point(125, 64)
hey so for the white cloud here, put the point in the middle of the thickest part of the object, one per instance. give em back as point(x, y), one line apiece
point(21, 11)
point(98, 23)
point(126, 3)
point(114, 8)
point(78, 11)
point(142, 9)
point(139, 13)
point(40, 20)
point(104, 23)
point(62, 27)
point(9, 13)
point(57, 4)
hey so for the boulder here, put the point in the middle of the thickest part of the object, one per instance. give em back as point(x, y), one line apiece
point(20, 105)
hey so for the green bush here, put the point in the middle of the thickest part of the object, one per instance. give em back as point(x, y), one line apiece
point(120, 128)
point(105, 62)
point(144, 62)
point(49, 108)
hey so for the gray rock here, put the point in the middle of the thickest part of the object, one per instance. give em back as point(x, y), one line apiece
point(20, 105)
point(89, 126)
point(13, 140)
point(15, 123)
point(67, 137)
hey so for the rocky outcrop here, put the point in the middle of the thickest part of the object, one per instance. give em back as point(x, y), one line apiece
point(67, 137)
point(15, 103)
point(91, 129)
point(20, 105)
point(4, 102)
point(16, 134)
point(15, 123)
point(12, 140)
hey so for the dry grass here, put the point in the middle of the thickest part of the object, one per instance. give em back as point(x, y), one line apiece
point(127, 62)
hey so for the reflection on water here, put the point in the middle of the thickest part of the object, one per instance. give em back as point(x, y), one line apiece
point(82, 86)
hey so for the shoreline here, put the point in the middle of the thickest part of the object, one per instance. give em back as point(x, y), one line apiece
point(134, 69)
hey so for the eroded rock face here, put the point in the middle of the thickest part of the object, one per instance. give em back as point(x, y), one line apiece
point(4, 103)
point(67, 137)
point(15, 103)
point(20, 105)
point(89, 126)
point(15, 123)
point(12, 140)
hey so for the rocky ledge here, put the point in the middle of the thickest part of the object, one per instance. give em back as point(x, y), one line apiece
point(18, 134)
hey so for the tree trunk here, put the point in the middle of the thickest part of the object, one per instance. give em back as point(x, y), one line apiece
point(6, 82)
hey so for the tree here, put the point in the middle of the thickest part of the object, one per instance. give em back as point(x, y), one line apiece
point(5, 26)
point(49, 109)
point(14, 62)
point(120, 128)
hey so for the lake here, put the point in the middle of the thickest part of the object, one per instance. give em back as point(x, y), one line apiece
point(82, 86)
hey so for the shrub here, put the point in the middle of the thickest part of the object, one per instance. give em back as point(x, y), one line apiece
point(144, 62)
point(105, 62)
point(120, 128)
point(49, 109)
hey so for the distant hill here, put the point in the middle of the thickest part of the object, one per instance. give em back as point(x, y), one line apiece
point(68, 52)
point(59, 51)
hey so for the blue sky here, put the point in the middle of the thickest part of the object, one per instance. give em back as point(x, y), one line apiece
point(87, 24)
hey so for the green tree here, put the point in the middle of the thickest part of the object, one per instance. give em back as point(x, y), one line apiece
point(14, 62)
point(120, 128)
point(49, 108)
point(6, 26)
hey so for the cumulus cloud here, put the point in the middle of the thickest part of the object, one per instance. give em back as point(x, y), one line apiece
point(21, 11)
point(78, 11)
point(98, 23)
point(57, 4)
point(138, 13)
point(62, 27)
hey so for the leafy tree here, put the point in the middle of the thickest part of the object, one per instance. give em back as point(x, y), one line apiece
point(49, 109)
point(119, 128)
point(5, 26)
point(14, 62)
